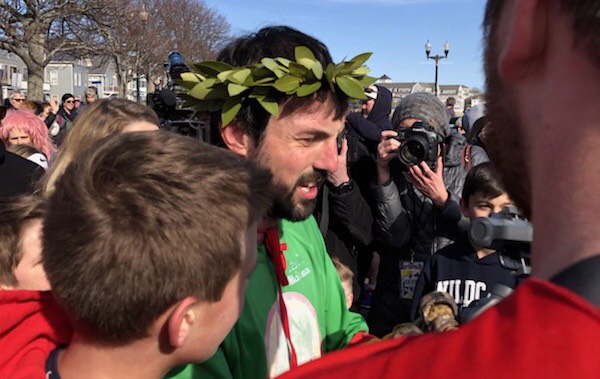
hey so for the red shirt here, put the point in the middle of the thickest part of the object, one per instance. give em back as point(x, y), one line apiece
point(31, 326)
point(541, 331)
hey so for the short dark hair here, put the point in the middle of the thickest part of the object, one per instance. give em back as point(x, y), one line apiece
point(484, 179)
point(585, 15)
point(272, 42)
point(15, 213)
point(142, 220)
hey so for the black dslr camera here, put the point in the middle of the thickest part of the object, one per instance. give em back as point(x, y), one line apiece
point(419, 143)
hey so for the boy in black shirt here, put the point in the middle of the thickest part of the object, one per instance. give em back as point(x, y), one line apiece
point(465, 271)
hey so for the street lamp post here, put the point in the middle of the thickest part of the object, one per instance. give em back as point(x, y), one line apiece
point(143, 19)
point(437, 59)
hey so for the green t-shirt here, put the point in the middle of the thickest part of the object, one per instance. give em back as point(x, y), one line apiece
point(318, 317)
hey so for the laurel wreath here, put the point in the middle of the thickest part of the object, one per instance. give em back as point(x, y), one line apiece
point(217, 86)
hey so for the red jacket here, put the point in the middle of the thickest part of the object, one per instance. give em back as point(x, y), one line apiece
point(31, 326)
point(541, 331)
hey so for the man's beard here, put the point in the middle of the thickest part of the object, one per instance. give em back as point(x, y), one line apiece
point(505, 140)
point(287, 207)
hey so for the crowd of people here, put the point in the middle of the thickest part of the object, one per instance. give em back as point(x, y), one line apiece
point(313, 240)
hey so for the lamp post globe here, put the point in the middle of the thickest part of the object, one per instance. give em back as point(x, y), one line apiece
point(437, 59)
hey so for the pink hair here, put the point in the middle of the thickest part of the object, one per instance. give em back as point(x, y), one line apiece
point(30, 124)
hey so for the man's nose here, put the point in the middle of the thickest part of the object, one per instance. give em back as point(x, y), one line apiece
point(328, 158)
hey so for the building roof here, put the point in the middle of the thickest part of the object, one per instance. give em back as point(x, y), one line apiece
point(99, 66)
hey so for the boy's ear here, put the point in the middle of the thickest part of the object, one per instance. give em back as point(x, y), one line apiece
point(180, 321)
point(349, 300)
point(464, 208)
point(236, 139)
point(525, 39)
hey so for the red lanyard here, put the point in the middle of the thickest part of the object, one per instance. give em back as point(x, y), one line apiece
point(275, 250)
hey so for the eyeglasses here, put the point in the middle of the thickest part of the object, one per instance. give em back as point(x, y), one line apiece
point(19, 99)
point(68, 101)
point(78, 101)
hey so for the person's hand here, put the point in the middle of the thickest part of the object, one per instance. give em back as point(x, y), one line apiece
point(54, 105)
point(430, 183)
point(387, 148)
point(386, 151)
point(340, 175)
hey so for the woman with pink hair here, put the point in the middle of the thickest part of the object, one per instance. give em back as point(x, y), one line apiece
point(25, 128)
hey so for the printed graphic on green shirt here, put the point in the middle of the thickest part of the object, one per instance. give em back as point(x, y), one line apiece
point(304, 330)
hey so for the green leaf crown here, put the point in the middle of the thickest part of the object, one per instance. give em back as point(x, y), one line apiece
point(217, 86)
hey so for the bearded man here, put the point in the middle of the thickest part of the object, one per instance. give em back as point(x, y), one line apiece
point(295, 305)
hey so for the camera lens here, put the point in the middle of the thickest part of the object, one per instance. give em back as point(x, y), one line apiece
point(412, 152)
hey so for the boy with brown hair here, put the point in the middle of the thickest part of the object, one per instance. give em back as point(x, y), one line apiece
point(31, 323)
point(148, 243)
point(464, 270)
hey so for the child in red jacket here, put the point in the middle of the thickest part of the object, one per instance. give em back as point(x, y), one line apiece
point(31, 322)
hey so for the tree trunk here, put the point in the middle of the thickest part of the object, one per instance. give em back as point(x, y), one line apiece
point(35, 83)
point(122, 81)
point(35, 67)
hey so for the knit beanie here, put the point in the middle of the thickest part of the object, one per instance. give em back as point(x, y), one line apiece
point(425, 107)
point(66, 96)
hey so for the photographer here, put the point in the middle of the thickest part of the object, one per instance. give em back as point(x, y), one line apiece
point(417, 205)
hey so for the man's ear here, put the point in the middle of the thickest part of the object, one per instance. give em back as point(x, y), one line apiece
point(236, 139)
point(525, 38)
point(180, 321)
point(464, 208)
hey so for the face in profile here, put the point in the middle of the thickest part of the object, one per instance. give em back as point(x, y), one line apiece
point(19, 137)
point(29, 272)
point(46, 112)
point(505, 141)
point(299, 149)
point(216, 319)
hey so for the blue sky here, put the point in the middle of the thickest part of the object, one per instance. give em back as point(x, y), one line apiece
point(394, 30)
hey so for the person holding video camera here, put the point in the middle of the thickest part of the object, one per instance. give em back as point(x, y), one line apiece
point(421, 168)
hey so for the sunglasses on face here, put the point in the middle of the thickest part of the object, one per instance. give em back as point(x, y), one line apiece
point(19, 99)
point(69, 102)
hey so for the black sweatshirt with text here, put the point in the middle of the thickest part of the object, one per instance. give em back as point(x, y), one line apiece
point(457, 270)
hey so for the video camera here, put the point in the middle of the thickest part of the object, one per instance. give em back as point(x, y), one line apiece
point(166, 103)
point(419, 143)
point(510, 235)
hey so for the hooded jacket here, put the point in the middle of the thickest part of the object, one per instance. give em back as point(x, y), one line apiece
point(369, 129)
point(31, 325)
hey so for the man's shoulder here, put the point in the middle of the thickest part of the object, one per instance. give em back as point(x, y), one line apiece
point(533, 329)
point(305, 230)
